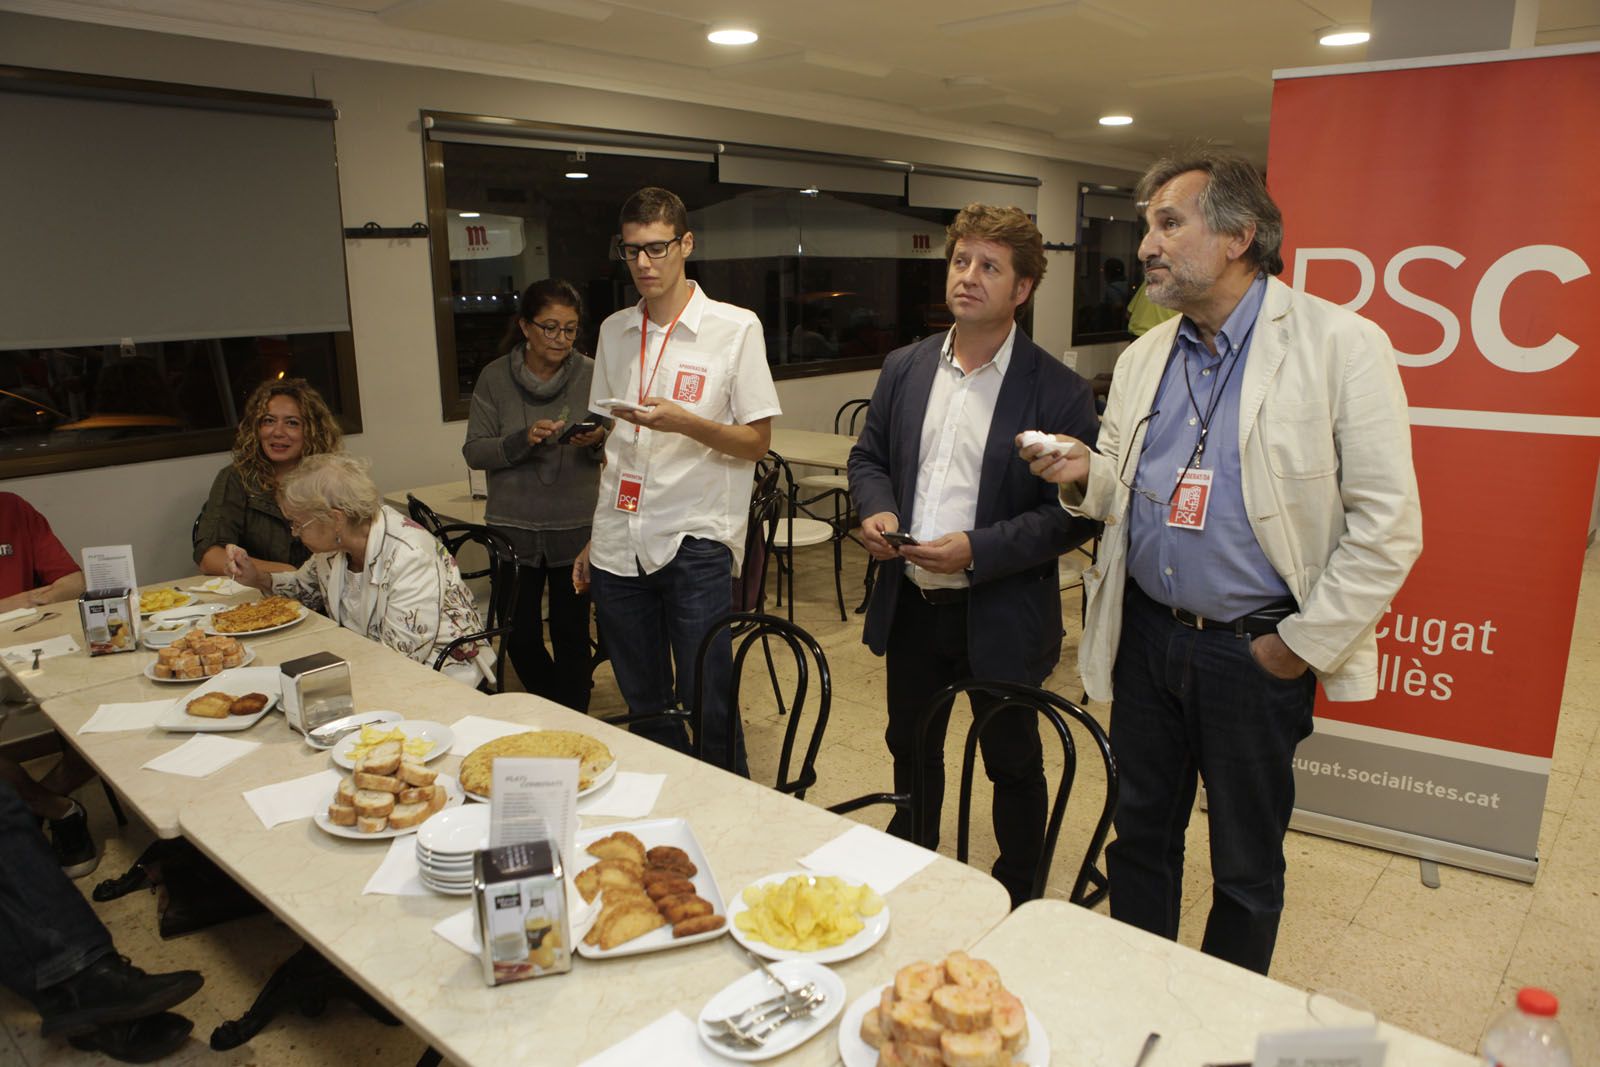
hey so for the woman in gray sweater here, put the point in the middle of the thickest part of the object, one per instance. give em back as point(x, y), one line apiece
point(542, 487)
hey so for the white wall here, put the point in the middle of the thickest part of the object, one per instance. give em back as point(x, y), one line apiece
point(152, 505)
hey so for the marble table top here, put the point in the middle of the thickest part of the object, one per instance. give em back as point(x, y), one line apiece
point(451, 501)
point(313, 882)
point(380, 679)
point(68, 674)
point(1101, 986)
point(812, 449)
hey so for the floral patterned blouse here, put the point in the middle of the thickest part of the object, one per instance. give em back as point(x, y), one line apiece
point(411, 597)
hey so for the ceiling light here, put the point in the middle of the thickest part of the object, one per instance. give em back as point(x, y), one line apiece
point(1116, 120)
point(1342, 36)
point(467, 214)
point(733, 35)
point(577, 175)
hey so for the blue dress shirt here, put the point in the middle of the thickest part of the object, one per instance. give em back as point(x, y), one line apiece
point(1219, 572)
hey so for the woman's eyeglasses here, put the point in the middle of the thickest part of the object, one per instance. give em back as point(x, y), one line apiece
point(653, 249)
point(296, 528)
point(552, 330)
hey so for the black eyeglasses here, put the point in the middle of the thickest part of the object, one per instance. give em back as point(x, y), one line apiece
point(1122, 472)
point(552, 330)
point(653, 249)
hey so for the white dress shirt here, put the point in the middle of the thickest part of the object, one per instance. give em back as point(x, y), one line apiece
point(950, 456)
point(715, 365)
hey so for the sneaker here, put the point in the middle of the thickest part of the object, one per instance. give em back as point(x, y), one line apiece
point(110, 990)
point(70, 840)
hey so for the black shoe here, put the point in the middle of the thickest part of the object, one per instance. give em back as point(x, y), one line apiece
point(146, 1040)
point(70, 840)
point(111, 990)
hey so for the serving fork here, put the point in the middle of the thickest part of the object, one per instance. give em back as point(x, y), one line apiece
point(757, 1030)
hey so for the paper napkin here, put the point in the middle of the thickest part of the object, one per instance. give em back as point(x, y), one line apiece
point(461, 930)
point(23, 653)
point(398, 875)
point(201, 755)
point(220, 586)
point(671, 1041)
point(140, 715)
point(298, 798)
point(474, 730)
point(630, 795)
point(870, 856)
point(17, 613)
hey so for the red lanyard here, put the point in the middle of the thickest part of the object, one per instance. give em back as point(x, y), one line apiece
point(644, 335)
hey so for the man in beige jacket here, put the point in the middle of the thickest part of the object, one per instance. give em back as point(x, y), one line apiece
point(1254, 475)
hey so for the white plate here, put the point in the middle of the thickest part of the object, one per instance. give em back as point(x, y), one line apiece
point(449, 891)
point(655, 832)
point(755, 987)
point(304, 611)
point(441, 736)
point(450, 787)
point(188, 599)
point(458, 830)
point(857, 1053)
point(870, 934)
point(601, 780)
point(149, 671)
point(235, 680)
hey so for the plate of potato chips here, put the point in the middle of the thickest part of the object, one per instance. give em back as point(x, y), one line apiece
point(808, 915)
point(154, 600)
point(419, 740)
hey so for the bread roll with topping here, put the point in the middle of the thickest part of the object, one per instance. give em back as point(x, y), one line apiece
point(961, 1008)
point(1010, 1020)
point(920, 1055)
point(978, 1049)
point(913, 1021)
point(872, 1029)
point(962, 969)
point(917, 981)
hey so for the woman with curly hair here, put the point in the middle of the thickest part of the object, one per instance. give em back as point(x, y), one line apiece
point(284, 421)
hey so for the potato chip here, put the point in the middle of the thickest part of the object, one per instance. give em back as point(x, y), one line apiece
point(805, 913)
point(373, 736)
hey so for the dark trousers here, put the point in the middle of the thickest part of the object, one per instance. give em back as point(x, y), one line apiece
point(653, 621)
point(1194, 703)
point(563, 678)
point(927, 651)
point(48, 932)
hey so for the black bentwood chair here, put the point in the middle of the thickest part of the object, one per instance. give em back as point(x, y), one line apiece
point(421, 514)
point(503, 575)
point(1089, 885)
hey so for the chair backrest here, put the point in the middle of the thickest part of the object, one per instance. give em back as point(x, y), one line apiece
point(501, 569)
point(423, 515)
point(1089, 884)
point(850, 413)
point(806, 678)
point(750, 587)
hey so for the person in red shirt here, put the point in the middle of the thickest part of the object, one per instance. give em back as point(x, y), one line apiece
point(36, 570)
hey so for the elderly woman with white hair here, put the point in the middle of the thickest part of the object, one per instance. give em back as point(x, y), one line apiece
point(372, 569)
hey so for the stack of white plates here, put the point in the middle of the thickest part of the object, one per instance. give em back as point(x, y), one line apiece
point(445, 844)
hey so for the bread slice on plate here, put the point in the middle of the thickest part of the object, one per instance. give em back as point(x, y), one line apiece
point(341, 814)
point(374, 803)
point(405, 816)
point(368, 825)
point(382, 759)
point(383, 783)
point(210, 705)
point(415, 774)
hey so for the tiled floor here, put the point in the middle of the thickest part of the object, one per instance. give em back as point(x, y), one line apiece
point(1439, 961)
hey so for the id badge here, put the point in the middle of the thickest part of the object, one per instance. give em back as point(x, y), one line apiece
point(689, 386)
point(1193, 497)
point(630, 491)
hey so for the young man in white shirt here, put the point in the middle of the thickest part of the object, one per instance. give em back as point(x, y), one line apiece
point(675, 493)
point(977, 595)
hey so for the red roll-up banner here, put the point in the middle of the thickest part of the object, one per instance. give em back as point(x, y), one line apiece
point(1453, 201)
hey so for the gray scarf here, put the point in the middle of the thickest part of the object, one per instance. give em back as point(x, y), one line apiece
point(541, 391)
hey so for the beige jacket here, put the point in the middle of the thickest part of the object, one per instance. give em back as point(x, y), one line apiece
point(1325, 452)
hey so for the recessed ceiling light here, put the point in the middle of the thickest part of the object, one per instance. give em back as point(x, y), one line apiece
point(468, 214)
point(1342, 36)
point(733, 35)
point(577, 175)
point(1116, 120)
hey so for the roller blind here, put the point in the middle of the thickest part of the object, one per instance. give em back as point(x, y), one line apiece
point(955, 193)
point(797, 171)
point(126, 215)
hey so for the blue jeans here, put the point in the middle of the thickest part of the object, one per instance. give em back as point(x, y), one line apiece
point(48, 932)
point(653, 621)
point(1194, 703)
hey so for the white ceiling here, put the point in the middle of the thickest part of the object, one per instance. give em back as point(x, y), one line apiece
point(1028, 74)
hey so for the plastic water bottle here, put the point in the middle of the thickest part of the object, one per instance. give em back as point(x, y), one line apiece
point(1527, 1035)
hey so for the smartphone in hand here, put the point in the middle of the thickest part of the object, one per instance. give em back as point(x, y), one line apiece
point(582, 426)
point(613, 403)
point(898, 539)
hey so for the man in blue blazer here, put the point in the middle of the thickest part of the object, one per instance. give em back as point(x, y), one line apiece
point(974, 593)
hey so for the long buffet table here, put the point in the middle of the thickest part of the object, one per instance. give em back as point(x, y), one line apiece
point(1097, 985)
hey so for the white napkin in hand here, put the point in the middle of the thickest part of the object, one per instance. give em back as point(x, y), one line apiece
point(461, 930)
point(140, 715)
point(298, 798)
point(219, 585)
point(671, 1041)
point(630, 795)
point(23, 654)
point(870, 856)
point(201, 755)
point(474, 730)
point(398, 875)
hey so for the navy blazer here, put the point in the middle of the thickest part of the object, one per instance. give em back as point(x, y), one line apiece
point(1014, 613)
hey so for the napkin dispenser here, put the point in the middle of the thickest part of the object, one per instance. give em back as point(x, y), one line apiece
point(110, 620)
point(522, 911)
point(316, 690)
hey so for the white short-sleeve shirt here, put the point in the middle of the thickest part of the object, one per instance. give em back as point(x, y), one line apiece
point(715, 365)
